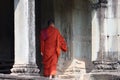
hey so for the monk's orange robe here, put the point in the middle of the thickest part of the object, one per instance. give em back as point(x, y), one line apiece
point(51, 42)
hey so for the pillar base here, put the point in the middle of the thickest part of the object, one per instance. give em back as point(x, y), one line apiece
point(100, 66)
point(25, 69)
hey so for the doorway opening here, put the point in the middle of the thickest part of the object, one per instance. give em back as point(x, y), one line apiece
point(6, 35)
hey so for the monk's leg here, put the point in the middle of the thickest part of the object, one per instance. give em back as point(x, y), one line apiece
point(53, 76)
point(53, 70)
point(46, 71)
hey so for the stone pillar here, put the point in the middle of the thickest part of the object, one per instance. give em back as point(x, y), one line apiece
point(108, 46)
point(25, 60)
point(95, 35)
point(118, 21)
point(98, 35)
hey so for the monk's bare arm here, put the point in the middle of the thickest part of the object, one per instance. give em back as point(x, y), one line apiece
point(63, 43)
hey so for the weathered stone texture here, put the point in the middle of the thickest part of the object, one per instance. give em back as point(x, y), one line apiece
point(25, 58)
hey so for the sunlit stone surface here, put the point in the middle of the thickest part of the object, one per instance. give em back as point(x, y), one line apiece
point(25, 60)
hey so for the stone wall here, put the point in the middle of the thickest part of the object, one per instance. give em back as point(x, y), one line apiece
point(73, 19)
point(63, 21)
point(82, 32)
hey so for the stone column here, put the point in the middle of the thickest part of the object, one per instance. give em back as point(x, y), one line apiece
point(108, 50)
point(118, 15)
point(25, 60)
point(100, 34)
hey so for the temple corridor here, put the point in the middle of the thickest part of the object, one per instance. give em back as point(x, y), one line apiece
point(90, 27)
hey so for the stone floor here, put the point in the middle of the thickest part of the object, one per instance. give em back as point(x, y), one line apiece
point(89, 76)
point(13, 77)
point(102, 76)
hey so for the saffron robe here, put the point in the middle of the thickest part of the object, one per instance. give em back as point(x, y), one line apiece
point(51, 42)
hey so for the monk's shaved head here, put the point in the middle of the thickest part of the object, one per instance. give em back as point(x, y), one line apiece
point(50, 21)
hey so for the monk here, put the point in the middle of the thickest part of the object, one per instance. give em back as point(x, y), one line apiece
point(51, 42)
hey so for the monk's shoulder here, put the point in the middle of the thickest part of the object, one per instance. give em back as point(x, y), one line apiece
point(42, 32)
point(56, 30)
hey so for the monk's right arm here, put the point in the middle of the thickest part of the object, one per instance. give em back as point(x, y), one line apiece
point(63, 43)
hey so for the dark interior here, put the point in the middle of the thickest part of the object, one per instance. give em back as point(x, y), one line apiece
point(6, 35)
point(38, 28)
